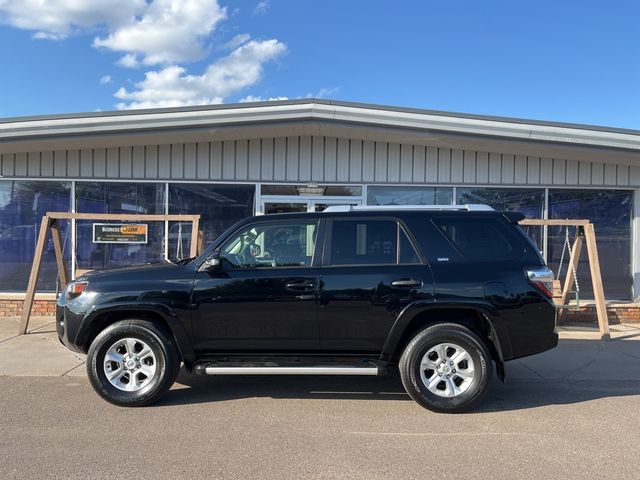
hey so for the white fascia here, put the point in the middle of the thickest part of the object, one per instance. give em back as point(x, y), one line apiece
point(259, 114)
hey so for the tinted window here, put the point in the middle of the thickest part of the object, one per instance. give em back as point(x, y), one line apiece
point(219, 206)
point(130, 198)
point(388, 195)
point(528, 201)
point(22, 205)
point(407, 252)
point(611, 212)
point(270, 245)
point(370, 242)
point(479, 240)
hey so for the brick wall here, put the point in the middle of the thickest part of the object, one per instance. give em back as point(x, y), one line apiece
point(12, 307)
point(617, 314)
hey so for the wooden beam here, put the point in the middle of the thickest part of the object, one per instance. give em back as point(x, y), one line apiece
point(201, 244)
point(33, 276)
point(122, 216)
point(57, 248)
point(596, 278)
point(554, 222)
point(195, 228)
point(575, 256)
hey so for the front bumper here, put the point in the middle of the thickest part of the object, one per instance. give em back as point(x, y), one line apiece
point(67, 327)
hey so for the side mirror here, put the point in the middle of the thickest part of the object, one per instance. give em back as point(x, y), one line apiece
point(211, 263)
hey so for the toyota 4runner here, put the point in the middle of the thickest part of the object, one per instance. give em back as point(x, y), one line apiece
point(440, 293)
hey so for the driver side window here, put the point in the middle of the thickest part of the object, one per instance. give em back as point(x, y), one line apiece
point(271, 245)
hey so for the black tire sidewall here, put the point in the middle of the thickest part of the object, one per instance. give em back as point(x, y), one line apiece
point(420, 345)
point(95, 362)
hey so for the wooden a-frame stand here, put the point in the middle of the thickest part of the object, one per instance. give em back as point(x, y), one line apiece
point(50, 222)
point(589, 236)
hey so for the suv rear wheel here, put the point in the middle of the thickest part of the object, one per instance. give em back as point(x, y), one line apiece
point(446, 368)
point(132, 363)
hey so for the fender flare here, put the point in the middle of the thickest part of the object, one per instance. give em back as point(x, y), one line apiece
point(498, 335)
point(175, 325)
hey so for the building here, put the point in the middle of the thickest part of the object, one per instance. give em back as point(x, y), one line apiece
point(230, 161)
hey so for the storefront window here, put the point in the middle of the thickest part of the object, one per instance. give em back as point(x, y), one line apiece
point(132, 198)
point(22, 206)
point(312, 189)
point(219, 206)
point(384, 195)
point(529, 202)
point(610, 211)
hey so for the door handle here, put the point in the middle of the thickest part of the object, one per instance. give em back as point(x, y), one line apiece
point(406, 283)
point(301, 285)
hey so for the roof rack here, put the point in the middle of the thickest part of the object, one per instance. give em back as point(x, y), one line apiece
point(374, 208)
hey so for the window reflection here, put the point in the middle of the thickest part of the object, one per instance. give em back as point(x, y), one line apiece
point(131, 198)
point(529, 202)
point(386, 195)
point(219, 206)
point(610, 212)
point(22, 206)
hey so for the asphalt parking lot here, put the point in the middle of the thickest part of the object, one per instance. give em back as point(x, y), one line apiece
point(570, 413)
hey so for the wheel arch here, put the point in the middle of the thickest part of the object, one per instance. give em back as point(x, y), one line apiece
point(160, 315)
point(479, 318)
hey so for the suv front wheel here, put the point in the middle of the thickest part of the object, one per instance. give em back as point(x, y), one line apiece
point(132, 363)
point(446, 368)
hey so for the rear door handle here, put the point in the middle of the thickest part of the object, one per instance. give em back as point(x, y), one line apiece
point(301, 285)
point(406, 283)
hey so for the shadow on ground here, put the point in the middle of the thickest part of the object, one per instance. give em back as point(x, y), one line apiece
point(579, 371)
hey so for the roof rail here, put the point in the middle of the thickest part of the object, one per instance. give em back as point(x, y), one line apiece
point(377, 208)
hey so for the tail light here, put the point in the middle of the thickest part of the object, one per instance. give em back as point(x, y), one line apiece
point(75, 289)
point(542, 279)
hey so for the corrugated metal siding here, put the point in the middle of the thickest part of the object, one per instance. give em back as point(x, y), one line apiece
point(315, 158)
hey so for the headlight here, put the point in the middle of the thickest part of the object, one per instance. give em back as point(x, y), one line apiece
point(75, 289)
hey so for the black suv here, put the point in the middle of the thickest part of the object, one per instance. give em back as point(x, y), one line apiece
point(437, 292)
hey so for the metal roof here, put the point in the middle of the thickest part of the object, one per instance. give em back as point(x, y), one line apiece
point(96, 123)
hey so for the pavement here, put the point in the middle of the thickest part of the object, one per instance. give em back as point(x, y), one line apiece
point(572, 412)
point(580, 356)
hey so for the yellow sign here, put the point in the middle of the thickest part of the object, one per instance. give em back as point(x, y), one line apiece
point(120, 233)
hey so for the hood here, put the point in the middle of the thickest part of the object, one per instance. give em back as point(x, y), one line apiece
point(129, 271)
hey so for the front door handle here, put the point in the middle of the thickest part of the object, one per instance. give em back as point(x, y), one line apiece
point(406, 283)
point(301, 285)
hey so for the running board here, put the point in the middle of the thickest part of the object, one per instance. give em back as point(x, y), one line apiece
point(290, 366)
point(291, 371)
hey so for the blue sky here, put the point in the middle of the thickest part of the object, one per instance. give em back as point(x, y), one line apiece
point(575, 61)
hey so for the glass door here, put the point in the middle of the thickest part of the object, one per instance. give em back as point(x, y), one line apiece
point(283, 207)
point(318, 205)
point(302, 204)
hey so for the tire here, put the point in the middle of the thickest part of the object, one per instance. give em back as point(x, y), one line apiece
point(149, 351)
point(446, 387)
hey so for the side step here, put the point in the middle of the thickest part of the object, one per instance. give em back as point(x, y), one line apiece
point(275, 367)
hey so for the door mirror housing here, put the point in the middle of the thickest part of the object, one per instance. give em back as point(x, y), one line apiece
point(211, 263)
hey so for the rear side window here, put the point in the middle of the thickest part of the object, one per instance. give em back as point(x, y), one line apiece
point(482, 240)
point(370, 242)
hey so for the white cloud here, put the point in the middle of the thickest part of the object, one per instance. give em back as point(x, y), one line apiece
point(252, 98)
point(57, 19)
point(128, 61)
point(156, 31)
point(163, 33)
point(235, 42)
point(167, 32)
point(172, 86)
point(261, 7)
point(49, 36)
point(323, 93)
